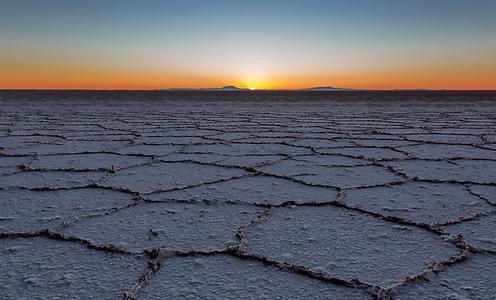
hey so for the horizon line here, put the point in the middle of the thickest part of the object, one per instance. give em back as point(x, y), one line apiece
point(341, 90)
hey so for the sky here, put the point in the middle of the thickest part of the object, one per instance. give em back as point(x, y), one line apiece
point(380, 44)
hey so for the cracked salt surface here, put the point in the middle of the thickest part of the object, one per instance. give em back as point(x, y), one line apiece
point(169, 175)
point(472, 279)
point(480, 232)
point(10, 165)
point(154, 150)
point(42, 268)
point(181, 226)
point(25, 210)
point(346, 244)
point(338, 177)
point(428, 151)
point(68, 147)
point(419, 202)
point(55, 179)
point(86, 161)
point(478, 171)
point(364, 152)
point(148, 195)
point(259, 190)
point(488, 192)
point(225, 277)
point(247, 149)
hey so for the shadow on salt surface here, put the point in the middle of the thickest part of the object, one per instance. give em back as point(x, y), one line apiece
point(226, 277)
point(346, 244)
point(42, 268)
point(180, 226)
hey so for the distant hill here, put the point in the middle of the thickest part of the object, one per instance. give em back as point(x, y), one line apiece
point(228, 88)
point(325, 89)
point(232, 88)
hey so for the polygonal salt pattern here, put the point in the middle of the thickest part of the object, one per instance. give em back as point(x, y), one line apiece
point(53, 180)
point(441, 151)
point(476, 171)
point(225, 277)
point(318, 188)
point(479, 232)
point(167, 225)
point(207, 158)
point(488, 192)
point(445, 138)
point(367, 153)
point(65, 147)
point(332, 160)
point(321, 143)
point(13, 144)
point(471, 279)
point(341, 177)
point(12, 164)
point(257, 189)
point(26, 210)
point(420, 202)
point(151, 150)
point(87, 161)
point(252, 161)
point(42, 268)
point(169, 175)
point(346, 244)
point(371, 142)
point(345, 177)
point(247, 149)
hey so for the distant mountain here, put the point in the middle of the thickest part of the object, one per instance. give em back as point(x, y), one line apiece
point(325, 89)
point(412, 90)
point(232, 88)
point(228, 88)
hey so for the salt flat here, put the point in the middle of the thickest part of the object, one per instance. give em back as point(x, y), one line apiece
point(264, 195)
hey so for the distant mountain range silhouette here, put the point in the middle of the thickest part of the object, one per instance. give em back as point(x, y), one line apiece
point(326, 89)
point(232, 88)
point(228, 88)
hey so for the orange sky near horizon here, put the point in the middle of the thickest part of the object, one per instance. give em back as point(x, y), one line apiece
point(27, 70)
point(94, 78)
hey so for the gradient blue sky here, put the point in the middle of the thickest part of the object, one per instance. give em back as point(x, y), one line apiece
point(261, 44)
